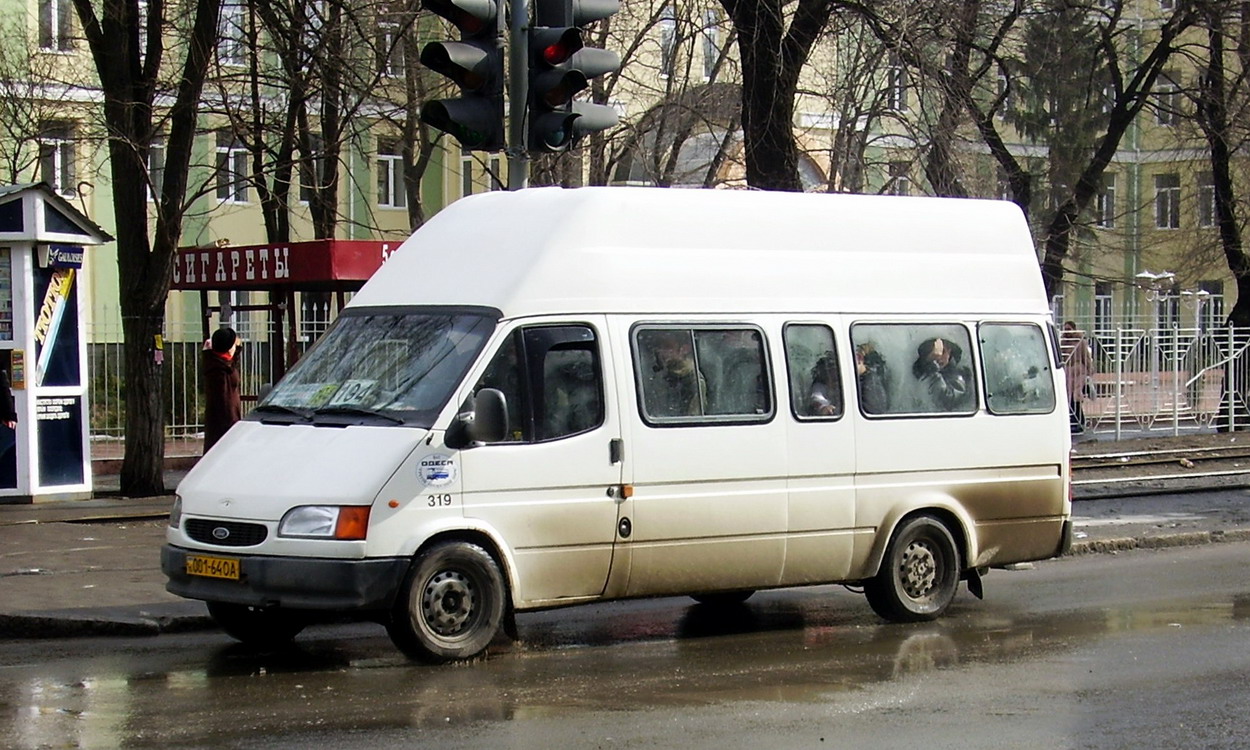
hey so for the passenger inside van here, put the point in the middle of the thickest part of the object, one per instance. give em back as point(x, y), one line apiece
point(825, 396)
point(939, 366)
point(874, 379)
point(675, 388)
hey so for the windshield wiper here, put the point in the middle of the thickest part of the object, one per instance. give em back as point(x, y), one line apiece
point(355, 411)
point(280, 409)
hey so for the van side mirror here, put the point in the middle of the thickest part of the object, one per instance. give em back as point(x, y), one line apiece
point(486, 423)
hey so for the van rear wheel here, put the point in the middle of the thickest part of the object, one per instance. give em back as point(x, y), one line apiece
point(451, 605)
point(919, 574)
point(257, 626)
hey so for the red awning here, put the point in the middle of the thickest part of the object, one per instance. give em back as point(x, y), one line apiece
point(318, 264)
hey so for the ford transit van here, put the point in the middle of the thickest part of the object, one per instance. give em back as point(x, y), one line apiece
point(550, 397)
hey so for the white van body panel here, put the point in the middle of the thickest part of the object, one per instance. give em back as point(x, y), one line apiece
point(655, 251)
point(264, 470)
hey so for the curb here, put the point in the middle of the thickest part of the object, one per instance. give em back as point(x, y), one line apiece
point(1183, 539)
point(107, 621)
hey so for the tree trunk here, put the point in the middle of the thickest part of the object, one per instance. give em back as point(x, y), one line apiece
point(770, 81)
point(129, 79)
point(1213, 119)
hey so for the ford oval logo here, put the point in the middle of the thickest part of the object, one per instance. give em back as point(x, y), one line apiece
point(221, 533)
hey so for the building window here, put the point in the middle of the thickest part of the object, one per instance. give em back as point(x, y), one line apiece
point(711, 43)
point(1206, 200)
point(232, 46)
point(1106, 203)
point(55, 17)
point(1004, 96)
point(156, 168)
point(1167, 201)
point(466, 173)
point(1211, 314)
point(56, 157)
point(310, 169)
point(390, 53)
point(390, 174)
point(896, 88)
point(900, 183)
point(668, 41)
point(496, 173)
point(1103, 311)
point(1167, 101)
point(231, 169)
point(1167, 4)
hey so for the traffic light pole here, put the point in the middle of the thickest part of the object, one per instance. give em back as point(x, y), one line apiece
point(518, 95)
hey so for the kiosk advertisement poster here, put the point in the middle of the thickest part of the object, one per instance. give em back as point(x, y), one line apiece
point(56, 363)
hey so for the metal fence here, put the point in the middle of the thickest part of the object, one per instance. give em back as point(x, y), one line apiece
point(181, 370)
point(1168, 381)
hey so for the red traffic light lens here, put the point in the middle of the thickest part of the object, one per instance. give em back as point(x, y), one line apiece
point(554, 54)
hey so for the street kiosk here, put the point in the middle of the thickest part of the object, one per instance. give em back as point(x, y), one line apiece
point(43, 353)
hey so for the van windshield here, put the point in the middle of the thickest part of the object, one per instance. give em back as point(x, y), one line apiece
point(380, 366)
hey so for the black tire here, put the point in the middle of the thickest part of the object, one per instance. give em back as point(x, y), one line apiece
point(919, 574)
point(722, 598)
point(257, 626)
point(451, 606)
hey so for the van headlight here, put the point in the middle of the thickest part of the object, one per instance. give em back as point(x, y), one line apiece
point(345, 522)
point(175, 513)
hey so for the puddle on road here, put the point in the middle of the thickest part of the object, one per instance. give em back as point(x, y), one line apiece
point(783, 649)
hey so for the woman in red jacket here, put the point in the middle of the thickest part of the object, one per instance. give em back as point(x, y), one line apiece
point(221, 385)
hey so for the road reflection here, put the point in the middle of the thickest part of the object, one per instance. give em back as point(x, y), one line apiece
point(784, 647)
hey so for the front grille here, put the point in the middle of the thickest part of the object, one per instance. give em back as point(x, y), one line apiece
point(226, 533)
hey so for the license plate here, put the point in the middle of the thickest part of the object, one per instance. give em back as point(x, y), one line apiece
point(213, 567)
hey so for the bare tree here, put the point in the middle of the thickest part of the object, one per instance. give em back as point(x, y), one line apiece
point(128, 41)
point(772, 56)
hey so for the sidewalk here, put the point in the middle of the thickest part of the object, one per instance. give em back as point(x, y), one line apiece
point(91, 567)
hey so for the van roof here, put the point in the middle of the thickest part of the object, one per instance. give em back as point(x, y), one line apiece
point(665, 251)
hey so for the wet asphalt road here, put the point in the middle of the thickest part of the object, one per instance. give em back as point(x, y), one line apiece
point(1142, 649)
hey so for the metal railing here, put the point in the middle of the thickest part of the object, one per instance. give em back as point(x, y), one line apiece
point(1166, 381)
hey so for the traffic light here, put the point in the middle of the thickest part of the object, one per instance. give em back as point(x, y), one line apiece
point(475, 64)
point(560, 66)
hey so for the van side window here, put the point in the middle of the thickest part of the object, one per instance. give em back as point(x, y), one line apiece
point(815, 383)
point(552, 379)
point(1018, 377)
point(914, 369)
point(701, 375)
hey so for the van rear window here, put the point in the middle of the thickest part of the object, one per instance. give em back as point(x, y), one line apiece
point(1018, 377)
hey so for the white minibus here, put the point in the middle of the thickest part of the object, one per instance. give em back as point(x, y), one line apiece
point(557, 396)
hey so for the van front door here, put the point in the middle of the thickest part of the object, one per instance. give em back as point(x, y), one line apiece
point(546, 488)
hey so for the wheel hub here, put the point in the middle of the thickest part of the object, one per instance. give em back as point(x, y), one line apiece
point(448, 602)
point(918, 570)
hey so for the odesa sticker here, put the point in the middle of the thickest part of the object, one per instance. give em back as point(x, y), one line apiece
point(437, 470)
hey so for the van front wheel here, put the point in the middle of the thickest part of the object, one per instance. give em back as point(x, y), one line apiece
point(919, 574)
point(451, 606)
